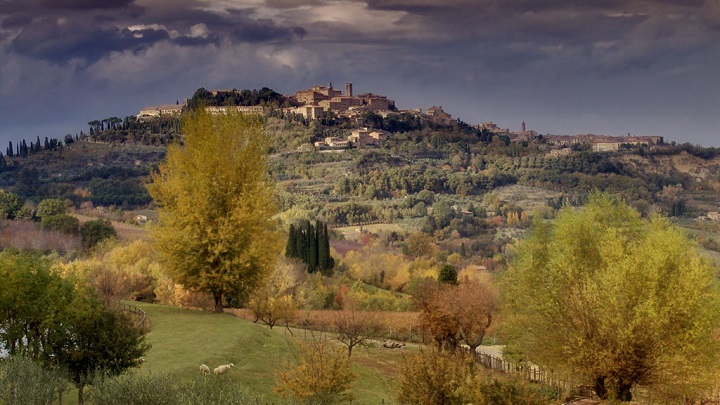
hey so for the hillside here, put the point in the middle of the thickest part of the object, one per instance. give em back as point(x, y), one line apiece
point(462, 184)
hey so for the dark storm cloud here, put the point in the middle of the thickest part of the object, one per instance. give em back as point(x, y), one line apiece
point(16, 21)
point(211, 39)
point(247, 29)
point(54, 42)
point(263, 31)
point(61, 30)
point(86, 4)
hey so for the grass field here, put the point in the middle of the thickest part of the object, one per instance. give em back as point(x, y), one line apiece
point(182, 339)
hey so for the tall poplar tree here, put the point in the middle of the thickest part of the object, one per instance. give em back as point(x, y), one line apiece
point(215, 201)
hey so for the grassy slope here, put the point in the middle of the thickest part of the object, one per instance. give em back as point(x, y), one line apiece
point(183, 339)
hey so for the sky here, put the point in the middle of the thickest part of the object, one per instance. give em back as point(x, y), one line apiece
point(614, 67)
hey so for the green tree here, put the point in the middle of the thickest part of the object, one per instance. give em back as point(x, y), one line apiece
point(10, 204)
point(32, 299)
point(448, 274)
point(312, 245)
point(215, 201)
point(94, 232)
point(52, 206)
point(291, 246)
point(63, 223)
point(48, 319)
point(615, 299)
point(94, 341)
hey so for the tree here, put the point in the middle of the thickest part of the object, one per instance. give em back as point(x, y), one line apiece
point(322, 376)
point(615, 299)
point(418, 244)
point(475, 305)
point(354, 327)
point(215, 202)
point(454, 314)
point(95, 231)
point(275, 300)
point(448, 274)
point(94, 341)
point(63, 223)
point(312, 245)
point(48, 319)
point(52, 206)
point(32, 298)
point(10, 204)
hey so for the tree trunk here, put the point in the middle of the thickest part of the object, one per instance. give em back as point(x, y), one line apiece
point(624, 392)
point(218, 303)
point(81, 398)
point(600, 389)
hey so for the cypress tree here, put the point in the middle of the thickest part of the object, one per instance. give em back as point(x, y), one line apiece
point(329, 261)
point(312, 249)
point(301, 242)
point(323, 247)
point(291, 247)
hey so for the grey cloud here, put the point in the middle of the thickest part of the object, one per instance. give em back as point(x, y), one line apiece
point(86, 4)
point(212, 39)
point(285, 4)
point(16, 21)
point(265, 30)
point(49, 41)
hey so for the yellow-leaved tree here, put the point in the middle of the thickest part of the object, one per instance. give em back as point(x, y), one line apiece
point(605, 295)
point(215, 201)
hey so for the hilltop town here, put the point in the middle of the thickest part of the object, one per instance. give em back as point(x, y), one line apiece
point(317, 101)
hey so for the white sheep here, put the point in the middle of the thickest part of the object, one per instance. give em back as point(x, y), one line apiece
point(219, 370)
point(204, 369)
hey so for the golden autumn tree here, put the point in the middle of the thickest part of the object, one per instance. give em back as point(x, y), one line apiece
point(215, 201)
point(607, 296)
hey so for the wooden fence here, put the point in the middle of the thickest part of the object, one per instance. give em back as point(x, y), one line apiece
point(537, 375)
point(527, 372)
point(143, 322)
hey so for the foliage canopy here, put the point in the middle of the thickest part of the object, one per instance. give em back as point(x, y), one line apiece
point(620, 300)
point(215, 202)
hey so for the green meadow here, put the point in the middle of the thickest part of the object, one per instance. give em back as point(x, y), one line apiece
point(183, 339)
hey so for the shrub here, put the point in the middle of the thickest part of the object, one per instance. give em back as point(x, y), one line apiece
point(323, 376)
point(163, 389)
point(431, 378)
point(51, 207)
point(135, 389)
point(93, 232)
point(9, 204)
point(63, 223)
point(23, 381)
